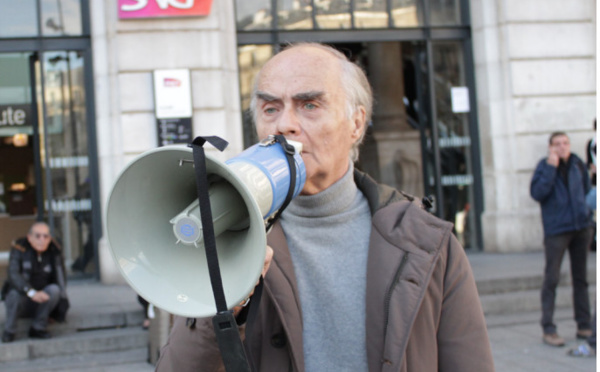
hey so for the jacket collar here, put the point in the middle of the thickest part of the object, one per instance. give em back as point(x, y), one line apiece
point(404, 228)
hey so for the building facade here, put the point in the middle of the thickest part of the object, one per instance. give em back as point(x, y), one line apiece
point(467, 93)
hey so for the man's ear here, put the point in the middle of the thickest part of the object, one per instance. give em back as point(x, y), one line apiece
point(359, 122)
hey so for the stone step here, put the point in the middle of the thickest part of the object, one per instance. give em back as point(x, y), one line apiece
point(97, 341)
point(526, 301)
point(526, 317)
point(525, 281)
point(78, 322)
point(133, 360)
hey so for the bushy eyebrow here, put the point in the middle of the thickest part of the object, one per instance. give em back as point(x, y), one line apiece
point(309, 96)
point(266, 97)
point(304, 96)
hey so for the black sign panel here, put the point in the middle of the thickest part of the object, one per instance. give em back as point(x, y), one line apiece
point(15, 118)
point(176, 130)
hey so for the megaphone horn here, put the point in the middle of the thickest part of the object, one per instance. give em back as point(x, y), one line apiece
point(155, 231)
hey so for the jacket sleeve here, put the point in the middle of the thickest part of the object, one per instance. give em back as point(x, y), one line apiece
point(60, 274)
point(191, 349)
point(543, 180)
point(15, 277)
point(463, 343)
point(585, 177)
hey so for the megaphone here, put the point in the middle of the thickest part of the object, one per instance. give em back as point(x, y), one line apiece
point(154, 225)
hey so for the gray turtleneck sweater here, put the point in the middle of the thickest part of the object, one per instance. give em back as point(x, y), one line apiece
point(328, 237)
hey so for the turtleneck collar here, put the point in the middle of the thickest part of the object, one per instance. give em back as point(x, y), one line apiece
point(336, 199)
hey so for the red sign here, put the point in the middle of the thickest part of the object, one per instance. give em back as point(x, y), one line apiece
point(163, 8)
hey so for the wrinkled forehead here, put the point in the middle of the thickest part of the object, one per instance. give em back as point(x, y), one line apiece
point(300, 65)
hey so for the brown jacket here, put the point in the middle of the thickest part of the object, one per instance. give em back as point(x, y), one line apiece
point(422, 310)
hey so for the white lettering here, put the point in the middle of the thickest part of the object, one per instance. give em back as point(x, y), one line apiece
point(19, 117)
point(140, 4)
point(10, 119)
point(9, 116)
point(163, 4)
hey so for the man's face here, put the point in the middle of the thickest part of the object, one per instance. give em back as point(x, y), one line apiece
point(300, 95)
point(39, 237)
point(561, 146)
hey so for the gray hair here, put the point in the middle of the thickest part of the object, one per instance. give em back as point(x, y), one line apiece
point(354, 82)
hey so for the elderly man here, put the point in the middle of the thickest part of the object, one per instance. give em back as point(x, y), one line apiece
point(36, 281)
point(560, 183)
point(361, 279)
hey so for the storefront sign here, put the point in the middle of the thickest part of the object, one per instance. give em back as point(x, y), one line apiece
point(163, 8)
point(172, 94)
point(15, 119)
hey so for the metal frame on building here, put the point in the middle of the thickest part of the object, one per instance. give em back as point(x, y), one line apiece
point(427, 34)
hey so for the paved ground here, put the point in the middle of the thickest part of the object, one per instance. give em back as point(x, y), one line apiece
point(515, 339)
point(519, 347)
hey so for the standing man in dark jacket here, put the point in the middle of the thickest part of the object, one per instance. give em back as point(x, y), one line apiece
point(36, 281)
point(560, 184)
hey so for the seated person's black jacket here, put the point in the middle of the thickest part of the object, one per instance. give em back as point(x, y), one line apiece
point(20, 265)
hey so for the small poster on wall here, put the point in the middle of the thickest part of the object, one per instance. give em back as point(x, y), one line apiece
point(460, 99)
point(172, 94)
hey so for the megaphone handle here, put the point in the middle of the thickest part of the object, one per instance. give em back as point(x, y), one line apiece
point(224, 324)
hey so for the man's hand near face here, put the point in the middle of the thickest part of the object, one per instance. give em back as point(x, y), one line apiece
point(553, 158)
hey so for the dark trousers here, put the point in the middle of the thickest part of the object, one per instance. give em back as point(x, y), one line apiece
point(577, 244)
point(19, 305)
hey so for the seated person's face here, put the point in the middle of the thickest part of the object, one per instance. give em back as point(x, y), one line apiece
point(39, 238)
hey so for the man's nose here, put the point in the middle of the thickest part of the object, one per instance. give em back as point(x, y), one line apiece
point(289, 122)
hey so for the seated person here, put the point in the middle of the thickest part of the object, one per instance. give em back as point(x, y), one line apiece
point(36, 282)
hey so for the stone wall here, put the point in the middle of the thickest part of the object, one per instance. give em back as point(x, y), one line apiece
point(125, 54)
point(535, 72)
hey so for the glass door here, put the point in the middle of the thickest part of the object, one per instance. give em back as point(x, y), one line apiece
point(421, 138)
point(454, 140)
point(18, 181)
point(64, 155)
point(44, 152)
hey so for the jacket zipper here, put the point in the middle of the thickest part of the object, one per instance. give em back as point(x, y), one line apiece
point(388, 295)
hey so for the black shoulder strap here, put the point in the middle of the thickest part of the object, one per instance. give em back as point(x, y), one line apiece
point(224, 324)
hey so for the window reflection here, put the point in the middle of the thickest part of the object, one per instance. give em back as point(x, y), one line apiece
point(406, 13)
point(294, 14)
point(17, 184)
point(61, 17)
point(253, 14)
point(251, 58)
point(66, 155)
point(333, 14)
point(370, 14)
point(18, 18)
point(444, 12)
point(454, 141)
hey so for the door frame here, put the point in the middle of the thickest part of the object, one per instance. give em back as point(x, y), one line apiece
point(37, 45)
